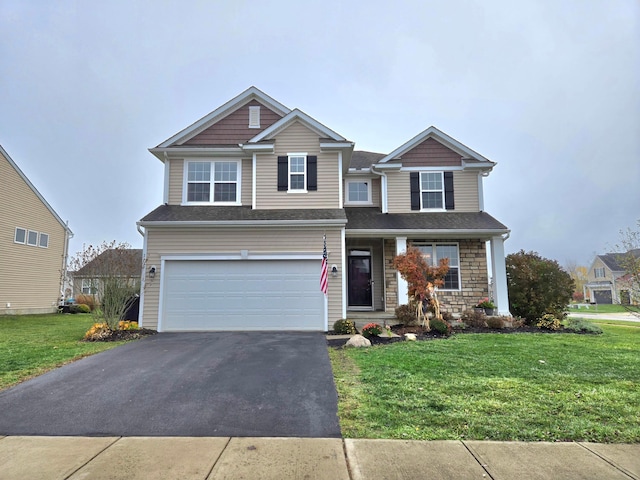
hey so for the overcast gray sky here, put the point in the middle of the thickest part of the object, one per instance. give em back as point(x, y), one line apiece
point(548, 89)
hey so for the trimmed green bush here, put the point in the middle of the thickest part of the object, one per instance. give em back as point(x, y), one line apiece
point(580, 325)
point(440, 326)
point(344, 326)
point(83, 308)
point(549, 322)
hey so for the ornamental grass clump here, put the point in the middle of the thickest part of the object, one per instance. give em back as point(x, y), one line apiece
point(371, 330)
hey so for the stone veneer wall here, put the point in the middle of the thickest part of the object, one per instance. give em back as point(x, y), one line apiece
point(473, 276)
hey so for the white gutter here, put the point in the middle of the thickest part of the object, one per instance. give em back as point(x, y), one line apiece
point(383, 185)
point(449, 233)
point(243, 223)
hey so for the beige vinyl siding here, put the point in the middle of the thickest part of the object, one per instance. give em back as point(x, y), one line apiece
point(208, 240)
point(245, 194)
point(297, 139)
point(465, 191)
point(30, 275)
point(591, 274)
point(398, 192)
point(176, 177)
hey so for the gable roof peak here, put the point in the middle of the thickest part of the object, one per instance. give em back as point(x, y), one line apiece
point(293, 115)
point(441, 137)
point(251, 93)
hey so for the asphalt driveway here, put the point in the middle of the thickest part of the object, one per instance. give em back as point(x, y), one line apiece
point(185, 384)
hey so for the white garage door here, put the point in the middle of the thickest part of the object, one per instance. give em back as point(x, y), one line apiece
point(242, 295)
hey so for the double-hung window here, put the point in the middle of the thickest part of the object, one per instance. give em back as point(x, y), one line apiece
point(89, 286)
point(432, 190)
point(212, 182)
point(297, 173)
point(434, 252)
point(599, 272)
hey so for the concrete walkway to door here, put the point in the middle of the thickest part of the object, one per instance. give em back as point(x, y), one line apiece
point(185, 384)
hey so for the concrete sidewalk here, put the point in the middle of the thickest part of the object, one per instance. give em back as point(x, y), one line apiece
point(309, 458)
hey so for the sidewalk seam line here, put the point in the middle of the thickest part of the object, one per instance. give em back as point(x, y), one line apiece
point(482, 466)
point(93, 458)
point(218, 459)
point(346, 458)
point(602, 457)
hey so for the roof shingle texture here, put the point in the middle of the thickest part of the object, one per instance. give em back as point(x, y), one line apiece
point(206, 213)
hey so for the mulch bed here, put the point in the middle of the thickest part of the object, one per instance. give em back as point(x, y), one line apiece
point(422, 334)
point(118, 335)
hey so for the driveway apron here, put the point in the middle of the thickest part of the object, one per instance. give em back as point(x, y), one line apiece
point(259, 384)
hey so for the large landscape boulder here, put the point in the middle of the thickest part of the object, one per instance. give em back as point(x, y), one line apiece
point(358, 341)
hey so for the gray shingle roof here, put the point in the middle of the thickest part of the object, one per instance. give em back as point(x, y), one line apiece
point(612, 260)
point(373, 219)
point(205, 213)
point(362, 159)
point(129, 260)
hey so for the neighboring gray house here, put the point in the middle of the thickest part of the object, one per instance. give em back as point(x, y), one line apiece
point(125, 262)
point(607, 281)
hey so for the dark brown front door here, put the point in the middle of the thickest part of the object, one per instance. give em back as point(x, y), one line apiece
point(359, 290)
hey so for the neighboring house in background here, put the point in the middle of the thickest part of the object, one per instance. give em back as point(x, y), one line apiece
point(607, 281)
point(251, 189)
point(34, 244)
point(121, 262)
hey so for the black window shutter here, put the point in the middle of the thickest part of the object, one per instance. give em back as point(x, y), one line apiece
point(283, 174)
point(414, 178)
point(448, 191)
point(312, 172)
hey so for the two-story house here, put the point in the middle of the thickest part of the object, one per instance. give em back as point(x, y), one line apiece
point(34, 243)
point(251, 190)
point(607, 281)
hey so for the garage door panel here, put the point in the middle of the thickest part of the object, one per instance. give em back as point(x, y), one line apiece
point(242, 295)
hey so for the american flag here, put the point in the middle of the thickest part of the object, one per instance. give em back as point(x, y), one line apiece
point(324, 267)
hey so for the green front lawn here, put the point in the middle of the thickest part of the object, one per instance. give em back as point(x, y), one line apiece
point(602, 308)
point(32, 344)
point(533, 387)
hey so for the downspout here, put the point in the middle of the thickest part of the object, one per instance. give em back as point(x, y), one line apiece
point(68, 235)
point(383, 192)
point(143, 274)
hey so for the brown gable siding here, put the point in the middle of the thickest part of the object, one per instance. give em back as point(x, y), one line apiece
point(431, 153)
point(234, 128)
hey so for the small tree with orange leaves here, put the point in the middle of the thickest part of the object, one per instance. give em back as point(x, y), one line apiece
point(422, 280)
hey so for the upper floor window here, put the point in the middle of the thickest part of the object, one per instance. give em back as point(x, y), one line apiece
point(20, 236)
point(599, 272)
point(221, 187)
point(359, 192)
point(43, 241)
point(434, 252)
point(432, 190)
point(297, 172)
point(32, 238)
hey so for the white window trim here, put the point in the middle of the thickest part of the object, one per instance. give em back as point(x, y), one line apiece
point(40, 240)
point(15, 235)
point(422, 207)
point(369, 201)
point(254, 114)
point(29, 243)
point(289, 172)
point(599, 269)
point(185, 182)
point(89, 284)
point(433, 245)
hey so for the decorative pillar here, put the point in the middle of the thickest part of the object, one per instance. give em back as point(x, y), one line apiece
point(499, 268)
point(403, 290)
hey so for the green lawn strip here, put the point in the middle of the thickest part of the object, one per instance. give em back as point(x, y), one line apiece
point(619, 323)
point(528, 387)
point(33, 344)
point(602, 308)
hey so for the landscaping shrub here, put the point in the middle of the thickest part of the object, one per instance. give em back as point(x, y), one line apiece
point(371, 330)
point(580, 325)
point(440, 326)
point(495, 322)
point(127, 325)
point(447, 317)
point(83, 308)
point(89, 300)
point(97, 332)
point(549, 322)
point(474, 318)
point(344, 326)
point(537, 286)
point(406, 315)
